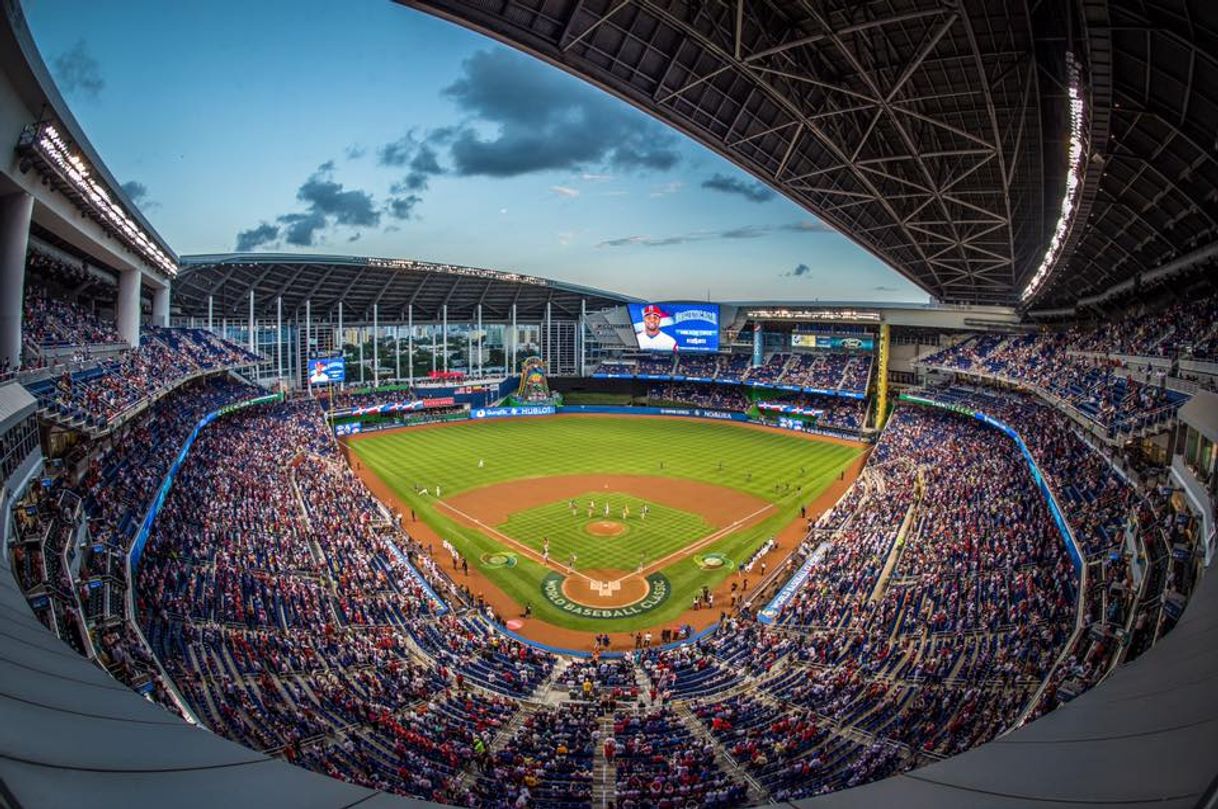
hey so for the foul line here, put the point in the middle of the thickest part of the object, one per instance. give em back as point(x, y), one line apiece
point(709, 539)
point(525, 549)
point(658, 564)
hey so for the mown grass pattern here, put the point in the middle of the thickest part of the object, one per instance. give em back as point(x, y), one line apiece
point(784, 469)
point(664, 531)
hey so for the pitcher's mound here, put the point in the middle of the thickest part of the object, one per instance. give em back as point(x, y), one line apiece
point(608, 588)
point(605, 528)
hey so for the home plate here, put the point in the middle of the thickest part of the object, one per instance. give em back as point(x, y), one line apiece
point(515, 624)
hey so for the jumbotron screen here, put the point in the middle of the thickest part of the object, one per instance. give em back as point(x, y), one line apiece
point(675, 326)
point(327, 370)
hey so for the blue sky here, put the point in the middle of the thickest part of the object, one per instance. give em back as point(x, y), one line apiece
point(366, 128)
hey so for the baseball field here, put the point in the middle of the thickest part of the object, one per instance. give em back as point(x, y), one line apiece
point(600, 523)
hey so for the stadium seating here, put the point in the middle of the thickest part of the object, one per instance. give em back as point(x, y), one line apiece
point(1102, 391)
point(293, 616)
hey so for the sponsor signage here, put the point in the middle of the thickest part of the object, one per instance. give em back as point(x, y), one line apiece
point(824, 341)
point(794, 410)
point(770, 613)
point(510, 412)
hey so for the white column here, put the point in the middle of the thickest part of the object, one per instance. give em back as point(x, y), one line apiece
point(547, 355)
point(433, 348)
point(359, 332)
point(583, 335)
point(510, 361)
point(253, 342)
point(397, 349)
point(129, 307)
point(211, 305)
point(299, 351)
point(410, 343)
point(15, 212)
point(469, 350)
point(279, 335)
point(480, 340)
point(376, 348)
point(445, 310)
point(308, 339)
point(340, 327)
point(160, 306)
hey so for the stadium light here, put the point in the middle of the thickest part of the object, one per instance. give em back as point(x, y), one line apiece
point(44, 141)
point(1074, 180)
point(814, 314)
point(454, 269)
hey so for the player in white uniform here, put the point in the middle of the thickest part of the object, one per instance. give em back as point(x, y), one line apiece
point(651, 337)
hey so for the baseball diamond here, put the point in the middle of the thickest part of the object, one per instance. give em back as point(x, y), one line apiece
point(614, 523)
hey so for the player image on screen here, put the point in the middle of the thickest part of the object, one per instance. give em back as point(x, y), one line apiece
point(327, 370)
point(651, 336)
point(675, 326)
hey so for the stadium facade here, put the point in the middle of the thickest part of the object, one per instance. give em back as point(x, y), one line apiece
point(1043, 170)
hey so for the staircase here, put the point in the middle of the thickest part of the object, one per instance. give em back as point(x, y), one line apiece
point(757, 793)
point(604, 773)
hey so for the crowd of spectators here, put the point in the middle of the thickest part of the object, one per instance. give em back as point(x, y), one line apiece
point(49, 322)
point(294, 616)
point(166, 357)
point(1185, 329)
point(836, 412)
point(823, 370)
point(661, 764)
point(699, 394)
point(1104, 390)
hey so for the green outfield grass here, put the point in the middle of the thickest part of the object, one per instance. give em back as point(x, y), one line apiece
point(760, 462)
point(644, 540)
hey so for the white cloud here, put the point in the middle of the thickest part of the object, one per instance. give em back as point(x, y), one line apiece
point(667, 188)
point(564, 191)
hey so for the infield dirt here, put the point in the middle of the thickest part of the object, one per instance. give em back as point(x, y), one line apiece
point(718, 505)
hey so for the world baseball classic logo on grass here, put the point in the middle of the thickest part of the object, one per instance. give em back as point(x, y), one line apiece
point(658, 591)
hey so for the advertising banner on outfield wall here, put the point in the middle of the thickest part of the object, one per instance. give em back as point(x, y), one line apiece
point(693, 412)
point(509, 412)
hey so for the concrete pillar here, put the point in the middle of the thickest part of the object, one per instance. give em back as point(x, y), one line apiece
point(376, 346)
point(15, 212)
point(210, 308)
point(160, 306)
point(445, 315)
point(308, 338)
point(129, 307)
point(253, 341)
point(410, 343)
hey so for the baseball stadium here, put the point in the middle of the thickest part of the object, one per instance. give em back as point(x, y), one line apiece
point(287, 528)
